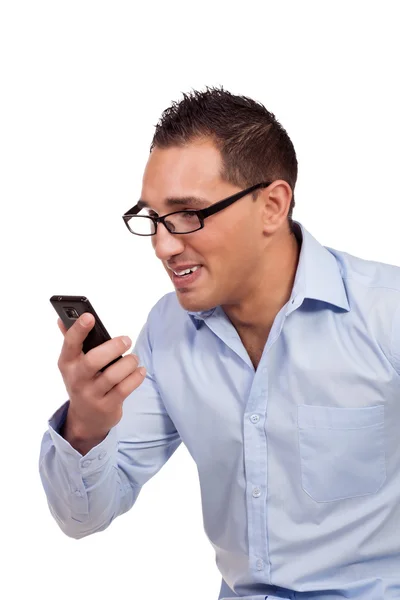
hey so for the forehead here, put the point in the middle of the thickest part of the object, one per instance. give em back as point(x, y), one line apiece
point(192, 169)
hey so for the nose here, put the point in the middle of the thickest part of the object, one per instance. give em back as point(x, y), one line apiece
point(165, 243)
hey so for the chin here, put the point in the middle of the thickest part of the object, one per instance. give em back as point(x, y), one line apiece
point(194, 304)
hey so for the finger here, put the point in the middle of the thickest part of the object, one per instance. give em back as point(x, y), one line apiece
point(114, 374)
point(121, 391)
point(74, 338)
point(61, 326)
point(99, 357)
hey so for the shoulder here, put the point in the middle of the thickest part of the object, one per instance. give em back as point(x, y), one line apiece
point(368, 273)
point(373, 289)
point(395, 340)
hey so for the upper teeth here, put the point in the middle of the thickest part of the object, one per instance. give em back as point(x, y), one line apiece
point(187, 270)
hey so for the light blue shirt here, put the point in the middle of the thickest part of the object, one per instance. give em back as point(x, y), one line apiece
point(299, 461)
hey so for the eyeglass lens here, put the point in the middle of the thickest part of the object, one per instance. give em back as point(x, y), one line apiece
point(181, 222)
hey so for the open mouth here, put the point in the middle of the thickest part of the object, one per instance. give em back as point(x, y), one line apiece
point(185, 280)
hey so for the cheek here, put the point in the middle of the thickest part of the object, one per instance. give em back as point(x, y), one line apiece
point(226, 253)
point(240, 235)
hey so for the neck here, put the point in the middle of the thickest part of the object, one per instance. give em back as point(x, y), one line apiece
point(256, 313)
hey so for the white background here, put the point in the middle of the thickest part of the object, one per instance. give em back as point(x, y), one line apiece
point(82, 85)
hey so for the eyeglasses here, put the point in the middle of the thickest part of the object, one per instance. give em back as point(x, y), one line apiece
point(183, 221)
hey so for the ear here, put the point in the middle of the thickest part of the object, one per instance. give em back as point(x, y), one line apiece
point(276, 201)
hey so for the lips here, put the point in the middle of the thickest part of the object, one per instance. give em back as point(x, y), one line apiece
point(187, 280)
point(180, 268)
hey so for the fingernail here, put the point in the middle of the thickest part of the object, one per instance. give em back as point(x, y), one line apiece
point(86, 319)
point(127, 341)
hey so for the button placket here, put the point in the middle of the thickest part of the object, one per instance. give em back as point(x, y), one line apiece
point(256, 447)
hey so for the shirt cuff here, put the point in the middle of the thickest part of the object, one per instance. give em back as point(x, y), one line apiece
point(95, 459)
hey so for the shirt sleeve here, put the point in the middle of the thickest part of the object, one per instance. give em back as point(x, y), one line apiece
point(85, 493)
point(395, 341)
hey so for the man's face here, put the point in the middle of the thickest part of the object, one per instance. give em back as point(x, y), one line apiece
point(229, 247)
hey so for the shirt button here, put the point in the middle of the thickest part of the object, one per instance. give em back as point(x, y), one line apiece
point(254, 418)
point(77, 493)
point(256, 492)
point(101, 455)
point(260, 564)
point(265, 370)
point(86, 463)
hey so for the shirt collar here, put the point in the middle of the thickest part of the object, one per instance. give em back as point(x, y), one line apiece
point(318, 277)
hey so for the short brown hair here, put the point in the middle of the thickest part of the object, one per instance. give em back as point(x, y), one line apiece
point(253, 144)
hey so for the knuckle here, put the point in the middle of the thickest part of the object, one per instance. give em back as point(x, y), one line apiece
point(133, 361)
point(128, 366)
point(108, 377)
point(118, 391)
point(88, 362)
point(129, 384)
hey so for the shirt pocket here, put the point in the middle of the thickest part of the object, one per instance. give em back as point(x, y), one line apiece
point(342, 451)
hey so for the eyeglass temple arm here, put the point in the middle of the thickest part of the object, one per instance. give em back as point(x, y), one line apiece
point(132, 211)
point(206, 212)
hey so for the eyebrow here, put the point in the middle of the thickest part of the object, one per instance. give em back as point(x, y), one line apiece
point(171, 202)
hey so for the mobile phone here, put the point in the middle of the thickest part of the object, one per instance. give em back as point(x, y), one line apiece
point(70, 308)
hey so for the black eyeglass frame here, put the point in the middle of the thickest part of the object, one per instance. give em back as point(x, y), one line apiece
point(202, 213)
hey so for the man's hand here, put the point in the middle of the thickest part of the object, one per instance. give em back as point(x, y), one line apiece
point(96, 398)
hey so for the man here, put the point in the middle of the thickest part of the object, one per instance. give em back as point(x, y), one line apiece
point(276, 361)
